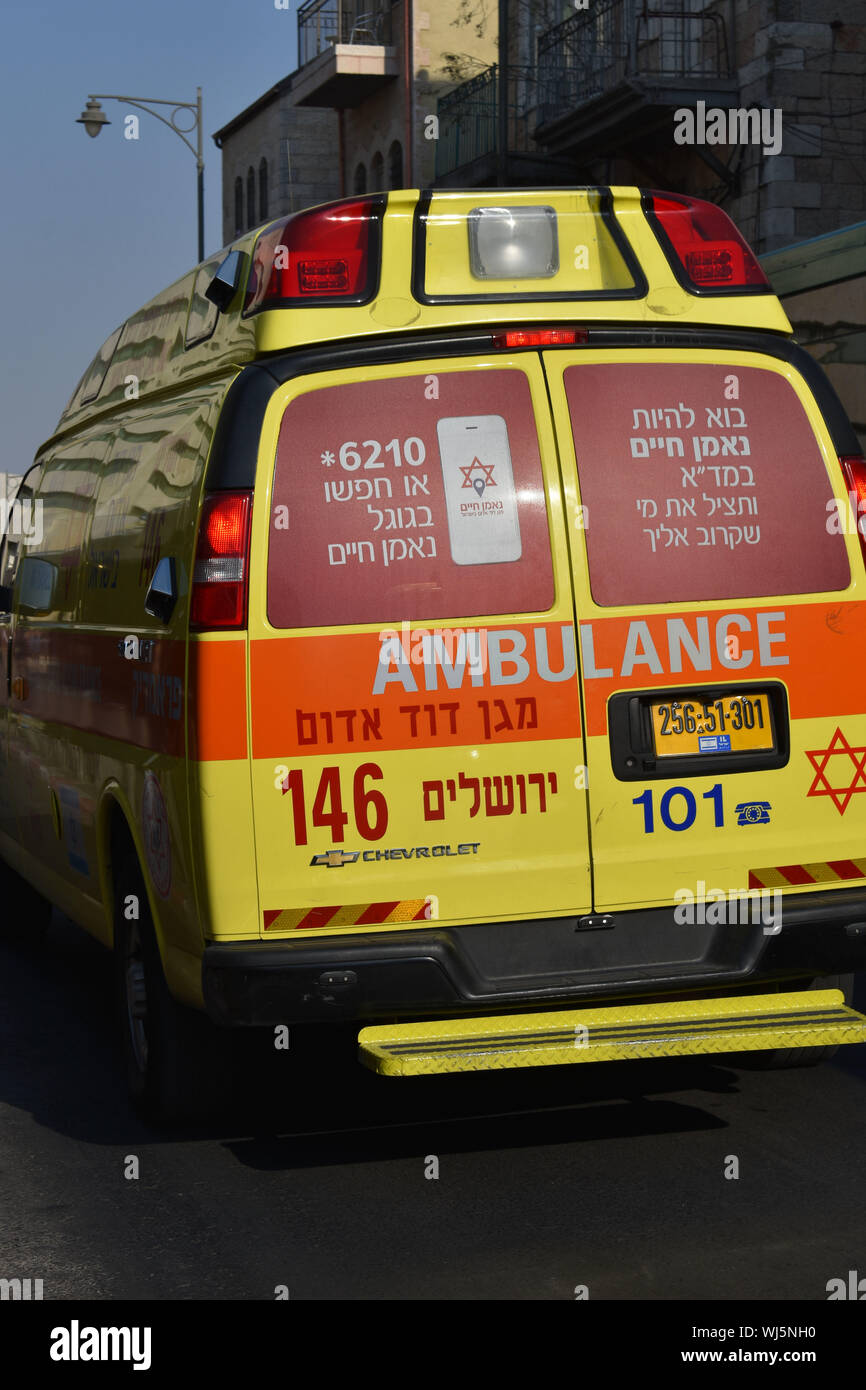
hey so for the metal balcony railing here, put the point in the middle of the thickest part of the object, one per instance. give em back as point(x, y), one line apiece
point(595, 50)
point(322, 23)
point(468, 118)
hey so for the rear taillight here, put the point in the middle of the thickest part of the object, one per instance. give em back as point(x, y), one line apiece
point(221, 571)
point(325, 254)
point(702, 244)
point(854, 470)
point(539, 337)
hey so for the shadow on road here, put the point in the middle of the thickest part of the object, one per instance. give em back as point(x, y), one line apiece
point(58, 1060)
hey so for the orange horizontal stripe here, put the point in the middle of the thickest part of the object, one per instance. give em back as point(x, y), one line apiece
point(79, 679)
point(823, 644)
point(218, 700)
point(314, 695)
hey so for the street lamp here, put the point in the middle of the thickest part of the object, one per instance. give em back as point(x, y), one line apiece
point(93, 118)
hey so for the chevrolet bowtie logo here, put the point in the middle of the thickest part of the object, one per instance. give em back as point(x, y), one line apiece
point(335, 858)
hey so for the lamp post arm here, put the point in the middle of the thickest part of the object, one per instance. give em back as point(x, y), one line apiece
point(147, 104)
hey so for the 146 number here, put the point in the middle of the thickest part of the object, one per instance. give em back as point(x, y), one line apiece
point(369, 805)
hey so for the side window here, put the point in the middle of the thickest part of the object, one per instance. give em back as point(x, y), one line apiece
point(145, 508)
point(411, 497)
point(202, 318)
point(22, 524)
point(50, 569)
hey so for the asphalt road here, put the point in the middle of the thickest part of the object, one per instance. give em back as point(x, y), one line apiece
point(610, 1176)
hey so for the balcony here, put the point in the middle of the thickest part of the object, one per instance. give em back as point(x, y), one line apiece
point(467, 148)
point(345, 52)
point(619, 69)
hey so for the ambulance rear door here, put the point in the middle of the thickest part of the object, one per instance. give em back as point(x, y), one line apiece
point(719, 588)
point(415, 722)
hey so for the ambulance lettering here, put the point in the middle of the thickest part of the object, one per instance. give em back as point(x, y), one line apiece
point(509, 659)
point(686, 648)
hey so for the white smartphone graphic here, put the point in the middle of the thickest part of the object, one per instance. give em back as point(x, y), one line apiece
point(480, 499)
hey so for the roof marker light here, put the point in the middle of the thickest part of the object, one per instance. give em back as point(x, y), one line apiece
point(705, 250)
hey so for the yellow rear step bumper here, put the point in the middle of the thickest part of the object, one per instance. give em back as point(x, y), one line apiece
point(681, 1029)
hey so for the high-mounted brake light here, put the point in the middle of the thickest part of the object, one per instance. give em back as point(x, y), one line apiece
point(854, 470)
point(704, 248)
point(319, 256)
point(539, 337)
point(221, 571)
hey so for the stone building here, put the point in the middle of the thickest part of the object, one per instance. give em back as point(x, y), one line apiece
point(276, 159)
point(359, 112)
point(603, 92)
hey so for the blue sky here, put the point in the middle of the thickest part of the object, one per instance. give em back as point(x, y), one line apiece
point(90, 229)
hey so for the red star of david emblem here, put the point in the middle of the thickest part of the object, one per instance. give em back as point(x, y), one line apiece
point(821, 783)
point(486, 468)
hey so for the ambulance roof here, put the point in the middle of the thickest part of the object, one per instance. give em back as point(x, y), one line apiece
point(410, 261)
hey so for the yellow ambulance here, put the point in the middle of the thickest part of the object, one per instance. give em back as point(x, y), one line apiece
point(445, 614)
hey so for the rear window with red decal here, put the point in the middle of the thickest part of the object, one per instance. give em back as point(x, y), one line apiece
point(700, 482)
point(410, 497)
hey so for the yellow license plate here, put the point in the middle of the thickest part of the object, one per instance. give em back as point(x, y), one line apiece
point(733, 724)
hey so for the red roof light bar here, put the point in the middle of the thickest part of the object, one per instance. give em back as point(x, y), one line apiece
point(706, 252)
point(321, 256)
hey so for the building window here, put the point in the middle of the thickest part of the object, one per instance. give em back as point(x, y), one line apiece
point(239, 205)
point(395, 165)
point(251, 197)
point(377, 173)
point(361, 178)
point(263, 190)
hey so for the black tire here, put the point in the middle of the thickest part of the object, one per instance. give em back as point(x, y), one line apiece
point(179, 1066)
point(785, 1058)
point(24, 913)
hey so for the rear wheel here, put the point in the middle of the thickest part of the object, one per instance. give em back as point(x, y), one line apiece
point(179, 1066)
point(781, 1058)
point(24, 913)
